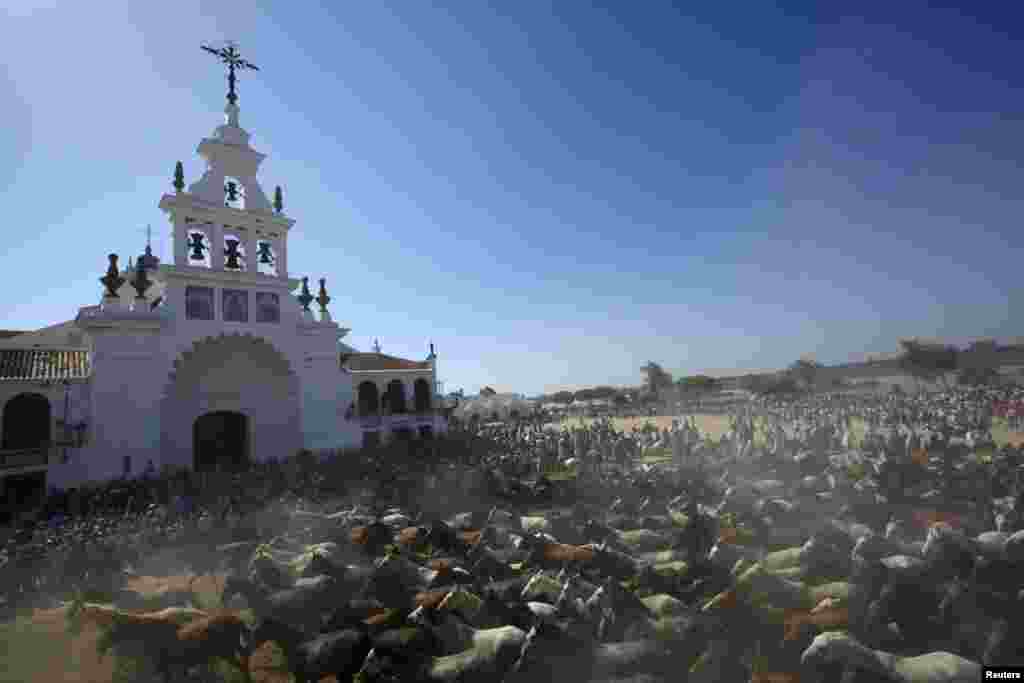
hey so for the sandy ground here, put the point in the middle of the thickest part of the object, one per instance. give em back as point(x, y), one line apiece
point(38, 647)
point(716, 425)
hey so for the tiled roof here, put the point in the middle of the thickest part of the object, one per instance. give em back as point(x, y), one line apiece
point(7, 334)
point(41, 364)
point(357, 362)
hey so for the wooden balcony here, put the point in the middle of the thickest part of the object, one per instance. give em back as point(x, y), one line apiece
point(50, 453)
point(397, 420)
point(11, 458)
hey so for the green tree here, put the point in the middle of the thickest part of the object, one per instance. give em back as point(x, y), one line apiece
point(928, 361)
point(656, 379)
point(770, 385)
point(697, 384)
point(976, 377)
point(561, 397)
point(805, 372)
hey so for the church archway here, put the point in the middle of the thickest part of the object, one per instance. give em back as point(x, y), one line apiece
point(369, 399)
point(421, 395)
point(236, 373)
point(371, 439)
point(220, 441)
point(26, 422)
point(396, 397)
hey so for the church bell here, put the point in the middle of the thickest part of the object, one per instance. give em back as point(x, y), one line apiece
point(264, 253)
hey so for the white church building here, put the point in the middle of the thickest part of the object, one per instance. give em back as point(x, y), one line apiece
point(207, 361)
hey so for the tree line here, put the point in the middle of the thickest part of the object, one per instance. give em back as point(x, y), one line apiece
point(923, 360)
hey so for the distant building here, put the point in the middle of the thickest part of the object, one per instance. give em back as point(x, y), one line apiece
point(395, 397)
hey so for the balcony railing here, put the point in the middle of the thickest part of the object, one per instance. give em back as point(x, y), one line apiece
point(25, 457)
point(49, 453)
point(370, 422)
point(429, 412)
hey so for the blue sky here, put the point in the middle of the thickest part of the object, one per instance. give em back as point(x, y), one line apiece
point(552, 193)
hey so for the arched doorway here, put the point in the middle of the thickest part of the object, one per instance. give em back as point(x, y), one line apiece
point(421, 395)
point(371, 439)
point(26, 422)
point(234, 373)
point(396, 397)
point(369, 399)
point(220, 440)
point(21, 493)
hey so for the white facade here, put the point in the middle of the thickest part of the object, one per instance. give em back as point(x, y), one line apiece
point(394, 395)
point(159, 363)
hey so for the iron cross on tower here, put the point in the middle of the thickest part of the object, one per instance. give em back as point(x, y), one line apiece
point(229, 55)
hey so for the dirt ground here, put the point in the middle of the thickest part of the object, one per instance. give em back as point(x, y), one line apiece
point(38, 647)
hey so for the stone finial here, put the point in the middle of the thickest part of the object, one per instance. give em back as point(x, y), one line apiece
point(141, 283)
point(305, 298)
point(278, 199)
point(112, 280)
point(376, 346)
point(322, 298)
point(179, 178)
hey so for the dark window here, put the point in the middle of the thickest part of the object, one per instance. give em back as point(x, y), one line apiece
point(395, 395)
point(421, 395)
point(235, 306)
point(127, 465)
point(268, 308)
point(368, 399)
point(199, 303)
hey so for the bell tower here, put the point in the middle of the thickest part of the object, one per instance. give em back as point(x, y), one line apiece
point(224, 221)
